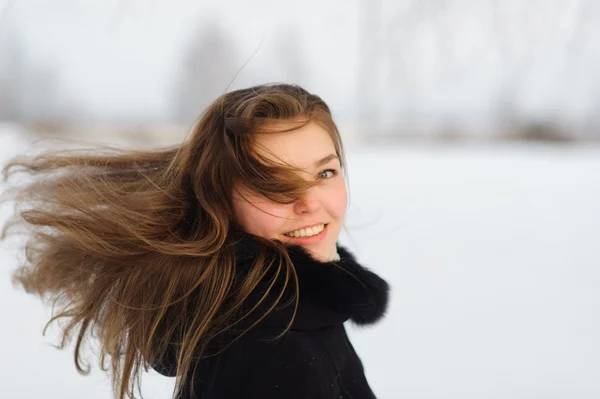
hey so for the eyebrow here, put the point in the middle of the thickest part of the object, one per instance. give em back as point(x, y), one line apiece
point(325, 160)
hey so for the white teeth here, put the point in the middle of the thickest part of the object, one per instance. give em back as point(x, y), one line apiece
point(309, 231)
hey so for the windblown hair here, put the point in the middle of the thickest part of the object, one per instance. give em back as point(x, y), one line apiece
point(137, 248)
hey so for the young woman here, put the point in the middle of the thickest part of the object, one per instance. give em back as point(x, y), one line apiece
point(216, 261)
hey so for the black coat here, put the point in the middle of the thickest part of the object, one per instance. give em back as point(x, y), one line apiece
point(314, 359)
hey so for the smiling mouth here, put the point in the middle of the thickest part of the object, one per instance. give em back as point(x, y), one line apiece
point(306, 232)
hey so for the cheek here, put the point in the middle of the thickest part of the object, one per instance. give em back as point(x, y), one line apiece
point(259, 218)
point(339, 200)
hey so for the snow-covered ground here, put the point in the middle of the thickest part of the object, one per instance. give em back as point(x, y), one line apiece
point(493, 254)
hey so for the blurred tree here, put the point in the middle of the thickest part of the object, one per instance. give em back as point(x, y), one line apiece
point(11, 69)
point(523, 60)
point(29, 91)
point(369, 63)
point(291, 65)
point(209, 66)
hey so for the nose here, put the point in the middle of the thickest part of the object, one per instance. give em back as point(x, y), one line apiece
point(308, 204)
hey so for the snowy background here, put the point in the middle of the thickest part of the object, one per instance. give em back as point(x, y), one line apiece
point(493, 254)
point(474, 157)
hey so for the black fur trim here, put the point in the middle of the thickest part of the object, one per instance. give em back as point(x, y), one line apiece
point(330, 293)
point(344, 287)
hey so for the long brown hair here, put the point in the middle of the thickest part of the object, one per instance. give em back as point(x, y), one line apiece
point(119, 240)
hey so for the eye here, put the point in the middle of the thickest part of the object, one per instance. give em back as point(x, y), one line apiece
point(327, 173)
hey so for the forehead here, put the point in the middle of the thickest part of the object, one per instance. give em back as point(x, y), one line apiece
point(301, 147)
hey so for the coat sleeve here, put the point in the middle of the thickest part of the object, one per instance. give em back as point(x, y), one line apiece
point(286, 369)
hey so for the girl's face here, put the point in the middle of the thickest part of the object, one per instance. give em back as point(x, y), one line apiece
point(313, 222)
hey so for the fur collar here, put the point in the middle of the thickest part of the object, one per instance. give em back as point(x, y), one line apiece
point(329, 292)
